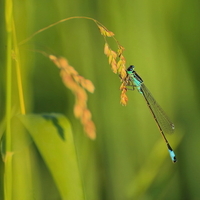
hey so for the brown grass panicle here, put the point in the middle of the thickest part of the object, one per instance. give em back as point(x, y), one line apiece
point(78, 85)
point(118, 66)
point(116, 60)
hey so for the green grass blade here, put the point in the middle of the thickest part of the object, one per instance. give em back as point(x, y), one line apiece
point(53, 138)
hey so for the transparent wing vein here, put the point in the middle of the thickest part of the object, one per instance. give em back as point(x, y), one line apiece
point(164, 122)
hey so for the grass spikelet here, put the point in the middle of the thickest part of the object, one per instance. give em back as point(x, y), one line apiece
point(121, 67)
point(124, 98)
point(90, 129)
point(106, 49)
point(104, 31)
point(120, 50)
point(118, 66)
point(85, 83)
point(112, 57)
point(123, 73)
point(77, 84)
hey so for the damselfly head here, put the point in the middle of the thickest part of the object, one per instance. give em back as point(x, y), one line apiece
point(130, 69)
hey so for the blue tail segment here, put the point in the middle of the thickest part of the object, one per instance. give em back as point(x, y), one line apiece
point(171, 153)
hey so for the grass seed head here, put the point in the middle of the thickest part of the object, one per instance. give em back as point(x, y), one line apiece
point(77, 84)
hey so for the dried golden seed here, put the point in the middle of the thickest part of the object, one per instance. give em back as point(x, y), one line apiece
point(124, 98)
point(114, 54)
point(114, 66)
point(78, 111)
point(90, 129)
point(123, 73)
point(106, 49)
point(88, 85)
point(102, 30)
point(109, 34)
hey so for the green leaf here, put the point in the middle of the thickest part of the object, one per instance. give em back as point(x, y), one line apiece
point(52, 135)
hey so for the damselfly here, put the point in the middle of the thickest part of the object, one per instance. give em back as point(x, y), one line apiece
point(161, 119)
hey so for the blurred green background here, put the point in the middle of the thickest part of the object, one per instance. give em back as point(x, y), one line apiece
point(129, 159)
